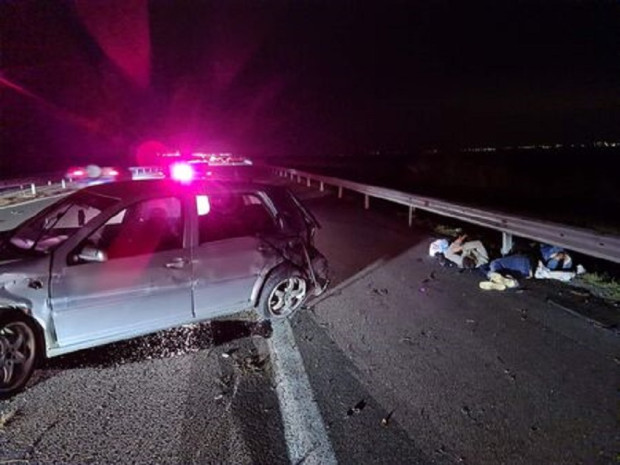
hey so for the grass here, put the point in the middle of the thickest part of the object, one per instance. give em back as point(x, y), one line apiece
point(606, 286)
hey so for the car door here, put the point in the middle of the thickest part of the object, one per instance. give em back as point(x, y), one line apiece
point(229, 255)
point(144, 284)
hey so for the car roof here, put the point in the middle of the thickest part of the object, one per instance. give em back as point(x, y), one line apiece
point(127, 190)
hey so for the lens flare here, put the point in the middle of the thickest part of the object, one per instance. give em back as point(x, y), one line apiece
point(182, 172)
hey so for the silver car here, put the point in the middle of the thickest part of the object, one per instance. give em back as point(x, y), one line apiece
point(120, 260)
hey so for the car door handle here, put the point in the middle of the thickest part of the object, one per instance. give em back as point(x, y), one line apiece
point(177, 263)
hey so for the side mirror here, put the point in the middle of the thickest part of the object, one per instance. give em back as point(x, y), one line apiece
point(92, 254)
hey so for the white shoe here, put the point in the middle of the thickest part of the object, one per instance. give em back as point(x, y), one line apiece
point(510, 283)
point(491, 286)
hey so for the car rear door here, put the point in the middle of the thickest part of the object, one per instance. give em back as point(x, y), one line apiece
point(144, 285)
point(229, 255)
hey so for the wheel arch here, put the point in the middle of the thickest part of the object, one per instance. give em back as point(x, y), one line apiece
point(8, 311)
point(260, 285)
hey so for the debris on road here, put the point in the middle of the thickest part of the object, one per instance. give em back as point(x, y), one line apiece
point(510, 374)
point(580, 293)
point(357, 408)
point(385, 421)
point(252, 364)
point(229, 352)
point(7, 417)
point(382, 291)
point(431, 277)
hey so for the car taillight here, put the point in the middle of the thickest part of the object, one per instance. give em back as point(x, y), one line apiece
point(77, 173)
point(112, 172)
point(181, 172)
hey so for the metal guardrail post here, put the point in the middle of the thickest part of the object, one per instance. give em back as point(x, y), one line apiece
point(411, 210)
point(33, 189)
point(507, 242)
point(308, 182)
point(339, 192)
point(322, 186)
point(366, 202)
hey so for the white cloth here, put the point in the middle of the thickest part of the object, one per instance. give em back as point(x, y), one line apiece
point(438, 246)
point(542, 272)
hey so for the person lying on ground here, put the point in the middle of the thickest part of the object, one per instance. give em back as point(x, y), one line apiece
point(555, 258)
point(470, 254)
point(517, 266)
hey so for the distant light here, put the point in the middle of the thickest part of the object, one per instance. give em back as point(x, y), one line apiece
point(78, 173)
point(182, 172)
point(112, 172)
point(203, 204)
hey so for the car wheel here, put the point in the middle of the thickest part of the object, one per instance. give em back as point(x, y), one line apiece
point(18, 353)
point(283, 293)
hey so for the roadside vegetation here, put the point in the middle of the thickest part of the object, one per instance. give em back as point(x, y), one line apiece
point(601, 284)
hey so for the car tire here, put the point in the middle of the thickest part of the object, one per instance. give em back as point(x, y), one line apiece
point(284, 292)
point(19, 351)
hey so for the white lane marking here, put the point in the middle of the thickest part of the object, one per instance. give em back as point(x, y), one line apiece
point(304, 431)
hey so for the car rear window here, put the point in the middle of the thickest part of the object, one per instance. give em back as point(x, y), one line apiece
point(228, 215)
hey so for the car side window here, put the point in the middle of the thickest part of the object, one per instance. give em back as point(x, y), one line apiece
point(225, 216)
point(147, 227)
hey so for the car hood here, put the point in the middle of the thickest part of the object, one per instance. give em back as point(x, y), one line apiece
point(15, 263)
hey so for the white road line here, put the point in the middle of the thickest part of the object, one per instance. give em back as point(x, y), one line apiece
point(304, 431)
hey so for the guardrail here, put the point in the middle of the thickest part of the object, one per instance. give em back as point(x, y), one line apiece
point(31, 188)
point(576, 239)
point(146, 172)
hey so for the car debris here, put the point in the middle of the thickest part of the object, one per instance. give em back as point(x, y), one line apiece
point(431, 277)
point(357, 408)
point(229, 352)
point(7, 417)
point(385, 421)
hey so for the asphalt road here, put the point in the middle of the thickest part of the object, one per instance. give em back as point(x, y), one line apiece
point(12, 215)
point(401, 361)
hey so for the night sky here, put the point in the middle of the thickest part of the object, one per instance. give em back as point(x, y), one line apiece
point(92, 80)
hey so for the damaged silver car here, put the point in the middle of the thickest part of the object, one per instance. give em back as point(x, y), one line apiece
point(120, 260)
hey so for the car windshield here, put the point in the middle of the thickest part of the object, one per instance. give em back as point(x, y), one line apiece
point(59, 222)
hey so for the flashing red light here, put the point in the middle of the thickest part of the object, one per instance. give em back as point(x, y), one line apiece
point(78, 173)
point(182, 172)
point(112, 172)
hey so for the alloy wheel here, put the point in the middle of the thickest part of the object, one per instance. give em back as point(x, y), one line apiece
point(287, 296)
point(17, 354)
